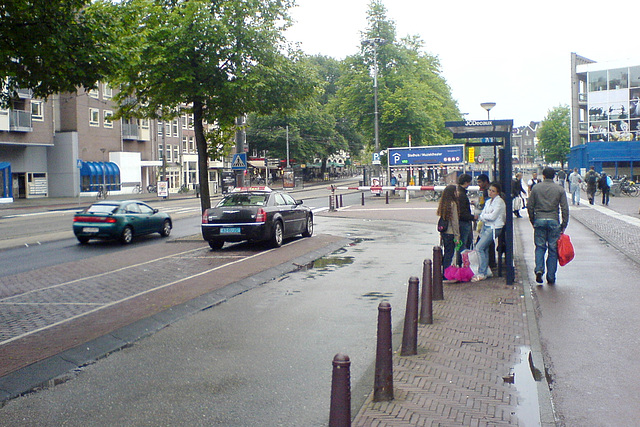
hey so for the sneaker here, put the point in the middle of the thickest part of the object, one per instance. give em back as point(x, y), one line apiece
point(538, 276)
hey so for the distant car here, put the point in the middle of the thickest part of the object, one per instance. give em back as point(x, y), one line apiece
point(120, 220)
point(256, 214)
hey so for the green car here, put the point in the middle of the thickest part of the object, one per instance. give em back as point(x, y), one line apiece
point(124, 220)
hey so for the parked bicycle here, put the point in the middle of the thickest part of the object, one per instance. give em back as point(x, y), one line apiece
point(152, 188)
point(103, 193)
point(628, 188)
point(184, 188)
point(137, 189)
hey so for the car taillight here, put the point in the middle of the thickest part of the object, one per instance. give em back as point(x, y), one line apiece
point(261, 216)
point(205, 218)
point(107, 219)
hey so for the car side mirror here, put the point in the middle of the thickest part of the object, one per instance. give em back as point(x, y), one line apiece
point(298, 202)
point(155, 211)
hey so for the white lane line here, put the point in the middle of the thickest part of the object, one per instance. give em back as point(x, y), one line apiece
point(166, 285)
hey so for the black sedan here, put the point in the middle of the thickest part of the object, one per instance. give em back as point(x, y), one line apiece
point(120, 220)
point(256, 214)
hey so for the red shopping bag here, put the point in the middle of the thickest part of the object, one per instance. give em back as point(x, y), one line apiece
point(565, 249)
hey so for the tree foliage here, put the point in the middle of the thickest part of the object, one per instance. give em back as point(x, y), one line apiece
point(223, 59)
point(554, 136)
point(413, 97)
point(51, 46)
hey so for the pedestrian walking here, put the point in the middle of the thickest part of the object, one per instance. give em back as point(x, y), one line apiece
point(604, 184)
point(562, 176)
point(591, 178)
point(575, 179)
point(516, 195)
point(448, 211)
point(493, 217)
point(483, 183)
point(549, 214)
point(533, 181)
point(465, 216)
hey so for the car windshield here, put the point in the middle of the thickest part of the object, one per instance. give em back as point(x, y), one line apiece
point(102, 208)
point(245, 199)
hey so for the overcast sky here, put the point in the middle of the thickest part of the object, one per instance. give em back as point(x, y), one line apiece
point(516, 54)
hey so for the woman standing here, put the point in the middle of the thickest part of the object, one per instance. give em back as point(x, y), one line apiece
point(493, 216)
point(448, 211)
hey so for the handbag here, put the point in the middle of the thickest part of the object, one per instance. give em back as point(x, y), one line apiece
point(517, 203)
point(443, 225)
point(565, 249)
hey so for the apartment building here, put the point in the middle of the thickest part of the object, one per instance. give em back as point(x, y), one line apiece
point(69, 145)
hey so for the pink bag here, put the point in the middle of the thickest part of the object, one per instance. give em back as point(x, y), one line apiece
point(565, 249)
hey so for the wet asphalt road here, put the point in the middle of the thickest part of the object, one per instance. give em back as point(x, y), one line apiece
point(263, 357)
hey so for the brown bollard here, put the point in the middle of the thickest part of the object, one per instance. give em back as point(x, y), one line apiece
point(362, 199)
point(426, 308)
point(387, 197)
point(437, 292)
point(383, 382)
point(340, 410)
point(410, 332)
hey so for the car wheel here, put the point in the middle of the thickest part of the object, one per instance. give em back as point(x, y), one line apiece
point(216, 244)
point(277, 235)
point(308, 232)
point(127, 235)
point(83, 240)
point(166, 228)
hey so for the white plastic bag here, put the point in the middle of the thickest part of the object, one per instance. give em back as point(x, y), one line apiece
point(471, 259)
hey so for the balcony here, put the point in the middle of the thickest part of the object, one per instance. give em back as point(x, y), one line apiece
point(20, 121)
point(24, 93)
point(130, 131)
point(583, 127)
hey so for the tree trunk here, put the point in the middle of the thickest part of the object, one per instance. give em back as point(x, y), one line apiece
point(203, 156)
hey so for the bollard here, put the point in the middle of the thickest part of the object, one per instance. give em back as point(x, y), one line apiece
point(341, 204)
point(362, 199)
point(410, 332)
point(426, 308)
point(437, 292)
point(340, 409)
point(383, 382)
point(331, 208)
point(387, 197)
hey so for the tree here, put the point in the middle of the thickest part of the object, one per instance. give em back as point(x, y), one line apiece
point(220, 59)
point(554, 135)
point(413, 98)
point(51, 46)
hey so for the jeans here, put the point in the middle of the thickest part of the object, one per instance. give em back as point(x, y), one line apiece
point(545, 235)
point(466, 237)
point(486, 239)
point(605, 197)
point(449, 248)
point(575, 194)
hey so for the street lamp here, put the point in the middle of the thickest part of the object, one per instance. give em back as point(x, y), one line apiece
point(374, 43)
point(488, 106)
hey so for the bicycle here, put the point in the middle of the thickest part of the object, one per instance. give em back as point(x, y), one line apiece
point(432, 195)
point(629, 188)
point(184, 188)
point(137, 189)
point(103, 193)
point(152, 188)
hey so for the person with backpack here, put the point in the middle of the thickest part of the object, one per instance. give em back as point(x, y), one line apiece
point(604, 184)
point(591, 179)
point(533, 181)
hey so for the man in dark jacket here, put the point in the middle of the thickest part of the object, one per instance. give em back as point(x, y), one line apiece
point(546, 202)
point(465, 216)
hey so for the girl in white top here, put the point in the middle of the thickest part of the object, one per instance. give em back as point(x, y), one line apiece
point(493, 216)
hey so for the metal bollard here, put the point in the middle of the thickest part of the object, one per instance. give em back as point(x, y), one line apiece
point(410, 332)
point(437, 292)
point(387, 197)
point(340, 410)
point(383, 382)
point(362, 199)
point(426, 308)
point(331, 207)
point(341, 204)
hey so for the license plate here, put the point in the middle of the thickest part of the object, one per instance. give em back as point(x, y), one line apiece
point(90, 229)
point(228, 230)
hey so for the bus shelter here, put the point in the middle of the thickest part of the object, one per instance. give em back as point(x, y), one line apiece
point(496, 133)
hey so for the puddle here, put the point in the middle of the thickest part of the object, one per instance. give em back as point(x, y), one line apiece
point(329, 262)
point(378, 295)
point(524, 377)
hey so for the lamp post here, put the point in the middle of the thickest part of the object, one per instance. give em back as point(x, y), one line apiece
point(488, 106)
point(104, 172)
point(374, 43)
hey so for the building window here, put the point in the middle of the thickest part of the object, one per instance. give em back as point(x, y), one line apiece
point(183, 121)
point(597, 81)
point(185, 147)
point(37, 111)
point(174, 126)
point(107, 122)
point(94, 117)
point(94, 93)
point(159, 128)
point(160, 151)
point(167, 129)
point(192, 147)
point(176, 153)
point(618, 79)
point(144, 123)
point(107, 92)
point(190, 121)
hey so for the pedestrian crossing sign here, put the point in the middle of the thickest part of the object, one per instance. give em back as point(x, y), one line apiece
point(239, 161)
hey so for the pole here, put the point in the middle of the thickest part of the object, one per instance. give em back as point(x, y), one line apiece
point(287, 146)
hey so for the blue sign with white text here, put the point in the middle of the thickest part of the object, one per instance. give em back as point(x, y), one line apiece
point(414, 156)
